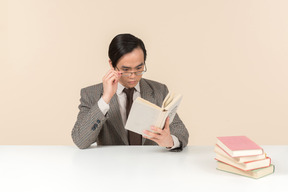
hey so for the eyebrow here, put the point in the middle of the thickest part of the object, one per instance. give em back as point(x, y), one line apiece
point(124, 67)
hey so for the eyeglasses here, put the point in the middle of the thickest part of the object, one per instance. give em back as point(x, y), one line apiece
point(128, 74)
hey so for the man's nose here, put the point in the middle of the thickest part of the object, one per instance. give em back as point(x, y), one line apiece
point(132, 75)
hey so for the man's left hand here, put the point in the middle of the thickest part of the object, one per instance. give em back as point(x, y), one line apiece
point(160, 136)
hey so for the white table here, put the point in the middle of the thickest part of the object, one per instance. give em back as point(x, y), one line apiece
point(112, 168)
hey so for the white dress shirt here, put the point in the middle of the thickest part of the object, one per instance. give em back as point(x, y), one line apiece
point(122, 100)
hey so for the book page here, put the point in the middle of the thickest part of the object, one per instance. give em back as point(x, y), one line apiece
point(142, 116)
point(167, 100)
point(145, 102)
point(145, 114)
point(172, 107)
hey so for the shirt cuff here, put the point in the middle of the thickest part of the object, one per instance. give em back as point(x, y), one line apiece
point(176, 142)
point(103, 106)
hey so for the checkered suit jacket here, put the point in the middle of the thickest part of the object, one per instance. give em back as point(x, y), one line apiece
point(92, 126)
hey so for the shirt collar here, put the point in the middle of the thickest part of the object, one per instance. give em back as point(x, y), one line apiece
point(121, 87)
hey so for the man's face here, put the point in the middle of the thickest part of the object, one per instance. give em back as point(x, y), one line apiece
point(131, 62)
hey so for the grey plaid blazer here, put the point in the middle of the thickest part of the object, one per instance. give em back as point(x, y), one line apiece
point(92, 126)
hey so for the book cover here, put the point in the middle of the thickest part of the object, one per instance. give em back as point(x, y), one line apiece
point(237, 146)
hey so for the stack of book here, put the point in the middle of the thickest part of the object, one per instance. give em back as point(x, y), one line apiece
point(242, 156)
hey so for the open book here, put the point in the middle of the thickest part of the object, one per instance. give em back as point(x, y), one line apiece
point(144, 114)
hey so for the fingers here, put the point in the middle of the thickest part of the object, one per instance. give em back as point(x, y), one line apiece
point(156, 129)
point(110, 81)
point(161, 137)
point(111, 76)
point(150, 135)
point(156, 133)
point(110, 72)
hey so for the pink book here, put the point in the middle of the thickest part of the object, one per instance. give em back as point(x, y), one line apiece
point(238, 146)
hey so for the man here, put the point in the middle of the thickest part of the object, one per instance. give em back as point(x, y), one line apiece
point(105, 107)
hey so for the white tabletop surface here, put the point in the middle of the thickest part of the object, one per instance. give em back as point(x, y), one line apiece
point(128, 168)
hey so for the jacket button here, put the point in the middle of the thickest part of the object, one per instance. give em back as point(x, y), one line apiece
point(94, 127)
point(98, 121)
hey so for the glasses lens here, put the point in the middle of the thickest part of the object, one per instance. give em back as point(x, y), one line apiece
point(140, 73)
point(127, 74)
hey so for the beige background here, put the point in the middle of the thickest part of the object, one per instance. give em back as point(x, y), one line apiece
point(228, 58)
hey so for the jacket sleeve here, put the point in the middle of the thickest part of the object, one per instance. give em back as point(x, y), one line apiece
point(178, 129)
point(89, 122)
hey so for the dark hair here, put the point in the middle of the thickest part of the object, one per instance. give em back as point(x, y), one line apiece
point(123, 44)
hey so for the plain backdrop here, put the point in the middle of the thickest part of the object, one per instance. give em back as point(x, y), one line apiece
point(227, 57)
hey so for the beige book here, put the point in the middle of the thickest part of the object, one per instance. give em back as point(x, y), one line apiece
point(246, 166)
point(256, 173)
point(242, 159)
point(144, 114)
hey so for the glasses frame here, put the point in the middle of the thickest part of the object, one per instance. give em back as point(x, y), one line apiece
point(128, 74)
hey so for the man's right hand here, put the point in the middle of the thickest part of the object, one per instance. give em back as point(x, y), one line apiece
point(110, 84)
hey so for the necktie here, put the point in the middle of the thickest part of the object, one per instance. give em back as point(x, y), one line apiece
point(134, 138)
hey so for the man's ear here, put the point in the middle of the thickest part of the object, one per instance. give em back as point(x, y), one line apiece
point(110, 63)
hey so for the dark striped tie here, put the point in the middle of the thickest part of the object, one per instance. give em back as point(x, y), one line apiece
point(134, 138)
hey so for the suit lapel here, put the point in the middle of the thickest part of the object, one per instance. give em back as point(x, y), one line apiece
point(116, 119)
point(147, 93)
